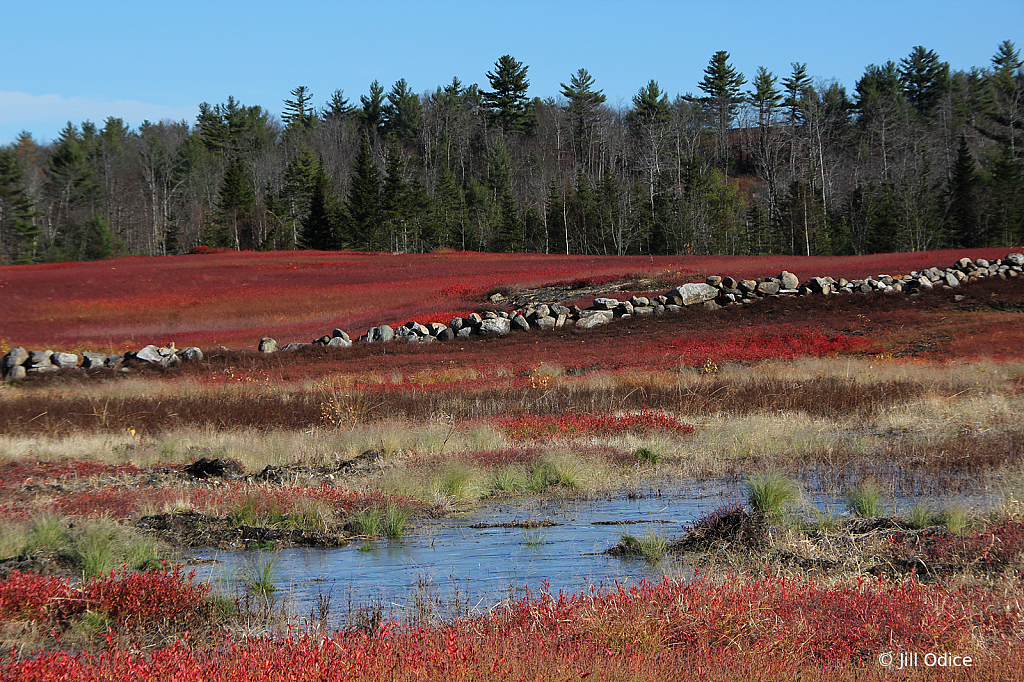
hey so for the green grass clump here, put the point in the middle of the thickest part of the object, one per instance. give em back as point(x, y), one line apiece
point(395, 518)
point(865, 500)
point(101, 545)
point(244, 513)
point(533, 538)
point(555, 471)
point(47, 532)
point(459, 481)
point(509, 479)
point(647, 456)
point(920, 516)
point(260, 574)
point(366, 522)
point(955, 519)
point(650, 545)
point(772, 494)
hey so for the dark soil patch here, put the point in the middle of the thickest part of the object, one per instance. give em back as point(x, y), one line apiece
point(192, 529)
point(546, 523)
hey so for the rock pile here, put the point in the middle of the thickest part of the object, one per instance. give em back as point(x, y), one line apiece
point(19, 363)
point(715, 292)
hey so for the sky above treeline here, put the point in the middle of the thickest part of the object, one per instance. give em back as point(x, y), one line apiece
point(73, 61)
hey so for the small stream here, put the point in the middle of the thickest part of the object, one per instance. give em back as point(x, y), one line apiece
point(448, 561)
point(483, 565)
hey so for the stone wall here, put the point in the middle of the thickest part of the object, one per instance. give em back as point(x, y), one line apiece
point(715, 292)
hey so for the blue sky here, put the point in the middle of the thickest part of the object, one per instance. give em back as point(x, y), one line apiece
point(157, 60)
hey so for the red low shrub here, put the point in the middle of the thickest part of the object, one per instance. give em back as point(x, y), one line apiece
point(532, 426)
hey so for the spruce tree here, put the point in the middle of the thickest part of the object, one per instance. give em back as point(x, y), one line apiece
point(236, 209)
point(319, 227)
point(363, 205)
point(371, 113)
point(18, 231)
point(964, 227)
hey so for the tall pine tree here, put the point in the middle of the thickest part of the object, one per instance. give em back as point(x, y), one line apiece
point(363, 205)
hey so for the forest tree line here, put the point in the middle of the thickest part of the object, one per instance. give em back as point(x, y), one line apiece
point(916, 157)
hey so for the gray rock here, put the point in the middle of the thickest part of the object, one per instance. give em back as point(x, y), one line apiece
point(93, 360)
point(112, 361)
point(16, 373)
point(191, 354)
point(713, 281)
point(64, 360)
point(560, 321)
point(694, 292)
point(150, 354)
point(605, 303)
point(267, 345)
point(385, 333)
point(592, 321)
point(544, 322)
point(473, 319)
point(339, 342)
point(769, 288)
point(789, 280)
point(746, 286)
point(624, 308)
point(520, 323)
point(1014, 259)
point(294, 346)
point(338, 334)
point(446, 334)
point(417, 328)
point(38, 359)
point(435, 328)
point(819, 285)
point(464, 333)
point(497, 325)
point(607, 314)
point(15, 358)
point(456, 324)
point(557, 310)
point(541, 310)
point(951, 280)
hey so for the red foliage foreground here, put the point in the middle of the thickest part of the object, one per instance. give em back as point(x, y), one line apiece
point(235, 298)
point(765, 629)
point(129, 600)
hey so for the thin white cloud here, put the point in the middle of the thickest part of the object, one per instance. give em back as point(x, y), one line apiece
point(38, 114)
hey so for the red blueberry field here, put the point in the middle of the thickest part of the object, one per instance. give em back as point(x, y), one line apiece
point(870, 447)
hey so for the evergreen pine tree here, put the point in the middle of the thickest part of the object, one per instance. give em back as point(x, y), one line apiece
point(925, 79)
point(319, 227)
point(18, 231)
point(722, 85)
point(298, 113)
point(363, 205)
point(507, 103)
point(963, 199)
point(236, 208)
point(299, 179)
point(371, 113)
